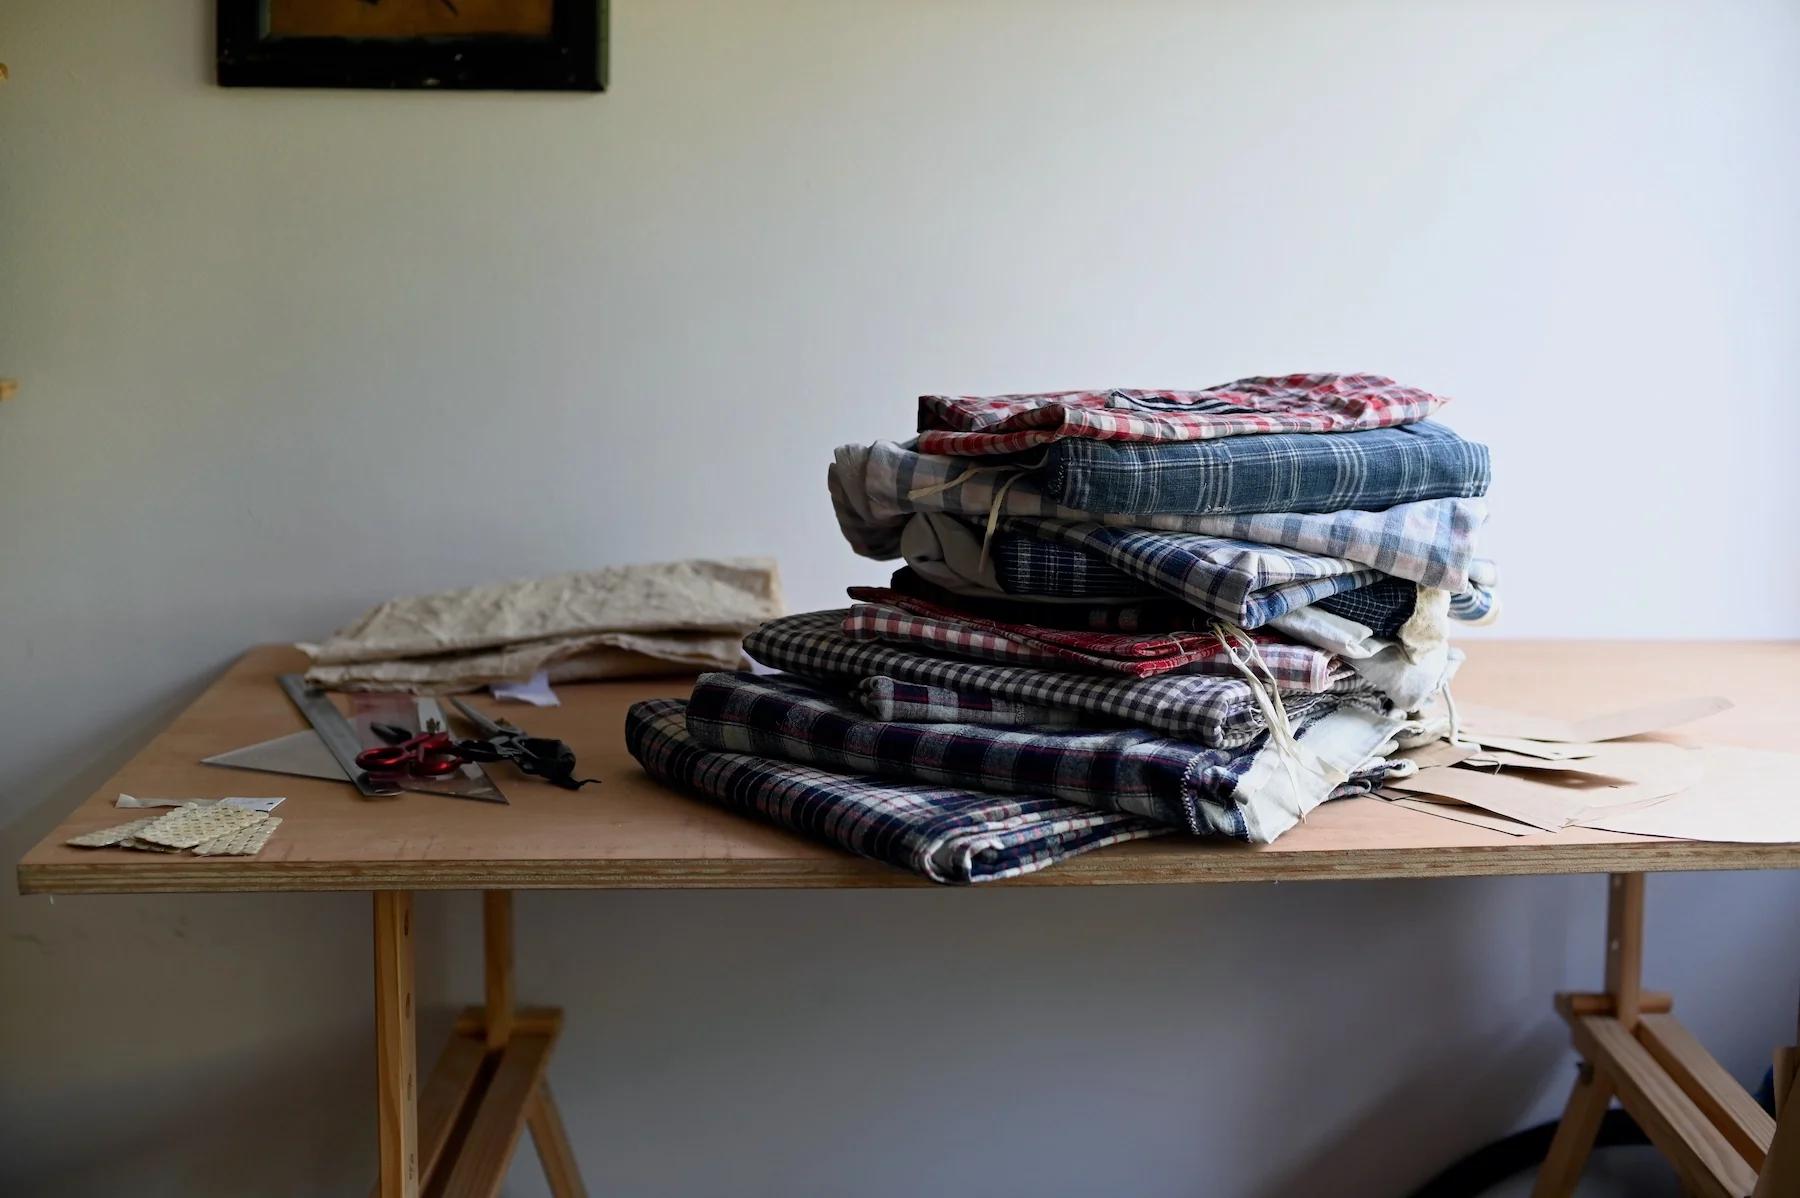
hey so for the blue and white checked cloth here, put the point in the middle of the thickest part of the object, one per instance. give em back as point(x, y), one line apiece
point(1244, 583)
point(876, 488)
point(946, 834)
point(1207, 792)
point(1219, 712)
point(1281, 472)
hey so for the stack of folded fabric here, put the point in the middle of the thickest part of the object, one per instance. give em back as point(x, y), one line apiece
point(1121, 612)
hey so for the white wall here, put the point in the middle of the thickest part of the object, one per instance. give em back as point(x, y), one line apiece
point(287, 353)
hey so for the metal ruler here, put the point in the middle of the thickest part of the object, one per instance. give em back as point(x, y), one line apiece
point(336, 732)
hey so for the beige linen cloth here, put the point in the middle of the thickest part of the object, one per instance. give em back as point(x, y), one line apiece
point(616, 622)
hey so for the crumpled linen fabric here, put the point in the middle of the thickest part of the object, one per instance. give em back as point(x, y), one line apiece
point(618, 621)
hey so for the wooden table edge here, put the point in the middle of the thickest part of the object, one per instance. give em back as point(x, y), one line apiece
point(166, 876)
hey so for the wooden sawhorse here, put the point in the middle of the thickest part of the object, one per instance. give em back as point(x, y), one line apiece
point(455, 1137)
point(1722, 1144)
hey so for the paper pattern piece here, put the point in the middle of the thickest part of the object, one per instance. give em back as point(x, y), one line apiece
point(1493, 721)
point(1542, 749)
point(1467, 815)
point(1746, 796)
point(1550, 798)
point(536, 692)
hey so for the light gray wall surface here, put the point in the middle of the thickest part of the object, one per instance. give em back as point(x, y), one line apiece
point(287, 353)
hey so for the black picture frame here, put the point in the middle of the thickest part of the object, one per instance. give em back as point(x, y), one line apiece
point(572, 58)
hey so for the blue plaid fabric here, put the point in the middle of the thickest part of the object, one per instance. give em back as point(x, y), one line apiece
point(1131, 771)
point(1281, 472)
point(946, 834)
point(1241, 582)
point(875, 490)
point(1382, 607)
point(1219, 712)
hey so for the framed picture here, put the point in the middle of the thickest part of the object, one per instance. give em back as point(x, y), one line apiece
point(517, 45)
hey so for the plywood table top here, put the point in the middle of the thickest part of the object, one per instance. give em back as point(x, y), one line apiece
point(631, 831)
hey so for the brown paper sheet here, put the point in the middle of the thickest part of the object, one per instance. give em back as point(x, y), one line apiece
point(1464, 814)
point(1653, 717)
point(1551, 799)
point(1748, 796)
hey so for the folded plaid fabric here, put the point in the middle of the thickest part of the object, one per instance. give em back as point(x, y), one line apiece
point(877, 488)
point(1246, 794)
point(898, 619)
point(1214, 711)
point(948, 835)
point(1294, 403)
point(1241, 582)
point(1383, 607)
point(1288, 472)
point(891, 699)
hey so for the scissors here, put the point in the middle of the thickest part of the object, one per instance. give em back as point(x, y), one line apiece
point(427, 754)
point(539, 756)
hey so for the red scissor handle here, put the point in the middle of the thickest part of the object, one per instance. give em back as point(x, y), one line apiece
point(427, 755)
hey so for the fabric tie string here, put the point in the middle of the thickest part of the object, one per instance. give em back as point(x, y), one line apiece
point(1014, 471)
point(1241, 649)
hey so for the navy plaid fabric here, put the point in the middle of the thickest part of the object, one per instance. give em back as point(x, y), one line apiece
point(1244, 583)
point(916, 703)
point(1214, 711)
point(1128, 770)
point(1282, 472)
point(876, 489)
point(1159, 613)
point(1028, 566)
point(1381, 607)
point(946, 834)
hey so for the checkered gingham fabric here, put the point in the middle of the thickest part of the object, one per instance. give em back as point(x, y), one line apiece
point(947, 834)
point(1128, 770)
point(877, 488)
point(1241, 582)
point(1294, 403)
point(916, 703)
point(1219, 712)
point(899, 619)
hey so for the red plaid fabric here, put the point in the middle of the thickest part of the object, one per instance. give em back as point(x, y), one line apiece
point(1295, 403)
point(901, 619)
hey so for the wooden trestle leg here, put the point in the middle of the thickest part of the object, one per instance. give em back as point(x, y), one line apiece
point(1633, 1049)
point(487, 1086)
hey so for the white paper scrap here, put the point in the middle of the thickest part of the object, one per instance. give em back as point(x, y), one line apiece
point(535, 691)
point(244, 804)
